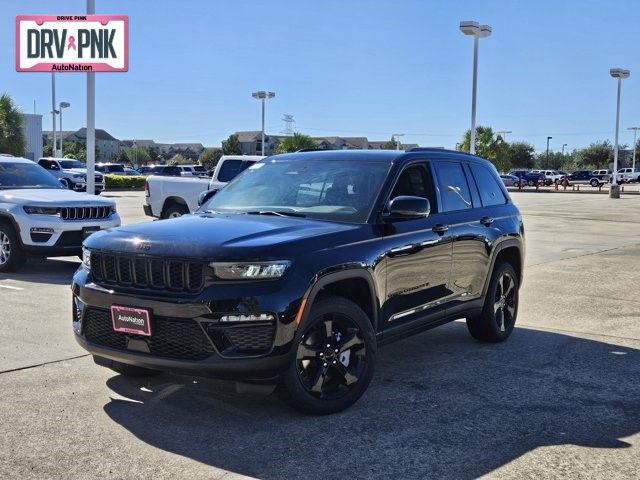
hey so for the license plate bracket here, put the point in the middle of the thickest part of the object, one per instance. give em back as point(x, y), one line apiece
point(87, 231)
point(132, 320)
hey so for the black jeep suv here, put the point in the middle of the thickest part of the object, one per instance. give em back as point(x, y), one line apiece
point(299, 268)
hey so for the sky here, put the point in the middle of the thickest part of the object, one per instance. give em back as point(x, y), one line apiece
point(350, 68)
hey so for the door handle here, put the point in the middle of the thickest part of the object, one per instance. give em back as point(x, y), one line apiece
point(440, 228)
point(486, 221)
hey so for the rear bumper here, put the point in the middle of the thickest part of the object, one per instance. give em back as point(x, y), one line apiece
point(147, 210)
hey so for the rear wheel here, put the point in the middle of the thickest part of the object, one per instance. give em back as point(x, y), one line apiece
point(500, 310)
point(335, 358)
point(67, 183)
point(594, 182)
point(123, 368)
point(175, 210)
point(12, 257)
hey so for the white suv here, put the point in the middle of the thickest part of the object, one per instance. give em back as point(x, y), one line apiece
point(39, 217)
point(72, 173)
point(550, 176)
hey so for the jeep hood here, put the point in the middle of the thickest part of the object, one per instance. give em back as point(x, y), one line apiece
point(217, 236)
point(52, 197)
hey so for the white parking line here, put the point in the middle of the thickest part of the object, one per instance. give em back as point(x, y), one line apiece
point(10, 288)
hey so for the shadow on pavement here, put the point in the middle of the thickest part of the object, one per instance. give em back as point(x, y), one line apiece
point(49, 271)
point(440, 406)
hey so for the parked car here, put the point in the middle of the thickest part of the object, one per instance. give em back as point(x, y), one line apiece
point(510, 180)
point(550, 176)
point(72, 173)
point(528, 178)
point(130, 172)
point(595, 178)
point(165, 171)
point(115, 168)
point(628, 175)
point(40, 217)
point(173, 197)
point(145, 170)
point(192, 170)
point(299, 284)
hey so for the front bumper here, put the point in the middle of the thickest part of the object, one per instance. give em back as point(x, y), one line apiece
point(187, 334)
point(62, 235)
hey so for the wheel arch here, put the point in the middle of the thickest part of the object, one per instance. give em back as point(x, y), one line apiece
point(173, 200)
point(355, 284)
point(511, 251)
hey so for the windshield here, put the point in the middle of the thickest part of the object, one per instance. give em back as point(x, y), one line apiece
point(25, 175)
point(67, 164)
point(327, 189)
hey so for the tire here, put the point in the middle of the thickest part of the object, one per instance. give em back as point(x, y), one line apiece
point(123, 368)
point(67, 183)
point(594, 182)
point(174, 210)
point(12, 256)
point(323, 380)
point(531, 183)
point(500, 310)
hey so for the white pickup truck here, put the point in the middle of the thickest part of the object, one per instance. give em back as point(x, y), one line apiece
point(170, 197)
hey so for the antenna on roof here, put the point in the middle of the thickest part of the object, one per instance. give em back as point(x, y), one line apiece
point(288, 124)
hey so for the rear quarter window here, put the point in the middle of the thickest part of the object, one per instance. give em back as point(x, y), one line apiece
point(491, 192)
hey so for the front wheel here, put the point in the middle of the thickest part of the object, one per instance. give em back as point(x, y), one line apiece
point(12, 257)
point(334, 358)
point(594, 182)
point(500, 310)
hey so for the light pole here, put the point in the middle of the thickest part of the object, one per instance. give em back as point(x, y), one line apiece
point(619, 74)
point(62, 105)
point(53, 113)
point(397, 137)
point(478, 31)
point(635, 136)
point(548, 138)
point(503, 134)
point(563, 145)
point(263, 95)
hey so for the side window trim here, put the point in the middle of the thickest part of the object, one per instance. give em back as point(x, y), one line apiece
point(474, 188)
point(460, 162)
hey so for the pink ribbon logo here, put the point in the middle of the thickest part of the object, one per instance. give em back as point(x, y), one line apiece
point(72, 43)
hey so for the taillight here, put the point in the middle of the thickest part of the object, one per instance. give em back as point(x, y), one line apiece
point(147, 192)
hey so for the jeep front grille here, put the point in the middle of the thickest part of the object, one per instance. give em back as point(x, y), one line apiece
point(85, 213)
point(145, 272)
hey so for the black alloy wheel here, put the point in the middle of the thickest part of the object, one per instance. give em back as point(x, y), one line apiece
point(334, 358)
point(498, 317)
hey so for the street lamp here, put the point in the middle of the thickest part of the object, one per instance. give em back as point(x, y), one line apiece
point(619, 74)
point(397, 137)
point(263, 95)
point(635, 136)
point(62, 105)
point(478, 31)
point(503, 134)
point(564, 145)
point(548, 138)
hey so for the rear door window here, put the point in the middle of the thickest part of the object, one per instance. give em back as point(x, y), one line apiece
point(229, 170)
point(453, 185)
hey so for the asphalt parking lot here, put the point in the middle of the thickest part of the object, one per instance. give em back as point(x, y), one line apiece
point(560, 399)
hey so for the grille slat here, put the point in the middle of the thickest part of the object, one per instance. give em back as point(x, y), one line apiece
point(85, 213)
point(145, 272)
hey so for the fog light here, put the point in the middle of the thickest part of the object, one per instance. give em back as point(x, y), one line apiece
point(41, 230)
point(262, 317)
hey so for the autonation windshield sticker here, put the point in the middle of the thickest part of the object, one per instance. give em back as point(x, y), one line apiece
point(72, 43)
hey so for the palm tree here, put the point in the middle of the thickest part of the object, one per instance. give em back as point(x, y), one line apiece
point(11, 135)
point(298, 141)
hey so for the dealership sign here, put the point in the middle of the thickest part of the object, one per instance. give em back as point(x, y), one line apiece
point(72, 43)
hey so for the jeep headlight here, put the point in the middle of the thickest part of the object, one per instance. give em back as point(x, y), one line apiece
point(250, 270)
point(86, 257)
point(31, 210)
point(78, 176)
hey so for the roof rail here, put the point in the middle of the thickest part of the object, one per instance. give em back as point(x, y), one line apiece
point(424, 149)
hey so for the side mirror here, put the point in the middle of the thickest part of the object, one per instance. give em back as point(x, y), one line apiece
point(205, 196)
point(407, 207)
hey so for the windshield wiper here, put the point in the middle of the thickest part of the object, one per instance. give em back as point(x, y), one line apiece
point(279, 213)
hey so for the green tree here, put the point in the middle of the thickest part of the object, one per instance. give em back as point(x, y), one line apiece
point(139, 155)
point(231, 146)
point(555, 161)
point(391, 144)
point(488, 146)
point(209, 157)
point(596, 155)
point(521, 154)
point(298, 141)
point(178, 159)
point(47, 149)
point(12, 139)
point(122, 157)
